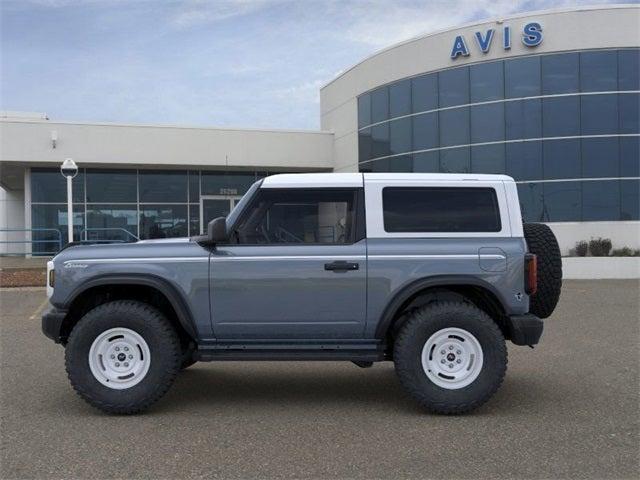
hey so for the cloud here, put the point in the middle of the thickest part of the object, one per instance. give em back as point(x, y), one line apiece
point(190, 13)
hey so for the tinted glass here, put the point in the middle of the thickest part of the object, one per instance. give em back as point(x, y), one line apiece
point(488, 158)
point(453, 87)
point(629, 113)
point(194, 220)
point(599, 71)
point(364, 144)
point(455, 160)
point(53, 217)
point(424, 93)
point(487, 123)
point(524, 160)
point(380, 140)
point(163, 186)
point(522, 77)
point(401, 163)
point(599, 114)
point(376, 166)
point(379, 105)
point(630, 156)
point(561, 116)
point(600, 157)
point(111, 222)
point(600, 200)
point(454, 127)
point(440, 209)
point(299, 217)
point(194, 186)
point(425, 131)
point(226, 183)
point(426, 162)
point(400, 135)
point(530, 195)
point(560, 73)
point(562, 201)
point(163, 221)
point(561, 159)
point(629, 70)
point(523, 119)
point(487, 81)
point(112, 186)
point(630, 200)
point(364, 110)
point(48, 185)
point(400, 98)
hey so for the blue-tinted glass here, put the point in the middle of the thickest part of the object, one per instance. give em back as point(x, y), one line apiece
point(522, 77)
point(455, 160)
point(380, 140)
point(560, 73)
point(562, 201)
point(376, 166)
point(194, 220)
point(194, 186)
point(524, 160)
point(487, 123)
point(49, 186)
point(364, 110)
point(163, 186)
point(488, 158)
point(112, 222)
point(424, 92)
point(52, 217)
point(630, 156)
point(453, 86)
point(630, 200)
point(530, 195)
point(226, 183)
point(454, 127)
point(425, 131)
point(402, 163)
point(629, 113)
point(400, 98)
point(599, 71)
point(523, 119)
point(600, 157)
point(163, 221)
point(599, 114)
point(364, 145)
point(400, 135)
point(561, 159)
point(600, 200)
point(379, 104)
point(561, 116)
point(426, 162)
point(629, 69)
point(487, 81)
point(112, 186)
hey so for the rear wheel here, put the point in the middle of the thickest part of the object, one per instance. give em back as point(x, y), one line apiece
point(542, 242)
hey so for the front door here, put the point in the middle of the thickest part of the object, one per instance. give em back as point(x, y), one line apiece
point(214, 206)
point(296, 268)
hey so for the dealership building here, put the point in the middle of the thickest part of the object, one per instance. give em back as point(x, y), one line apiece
point(550, 98)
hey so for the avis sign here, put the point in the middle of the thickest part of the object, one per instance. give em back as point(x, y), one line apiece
point(531, 37)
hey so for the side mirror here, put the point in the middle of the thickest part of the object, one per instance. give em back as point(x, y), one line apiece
point(217, 230)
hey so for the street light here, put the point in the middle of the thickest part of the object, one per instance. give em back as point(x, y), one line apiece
point(69, 169)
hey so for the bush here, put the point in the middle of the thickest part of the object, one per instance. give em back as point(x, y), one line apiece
point(600, 247)
point(581, 248)
point(625, 252)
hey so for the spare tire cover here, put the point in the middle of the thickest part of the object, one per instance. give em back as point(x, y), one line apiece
point(542, 242)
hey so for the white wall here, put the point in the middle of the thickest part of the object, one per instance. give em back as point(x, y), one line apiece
point(622, 234)
point(11, 217)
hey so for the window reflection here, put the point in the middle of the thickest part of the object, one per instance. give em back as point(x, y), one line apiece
point(163, 221)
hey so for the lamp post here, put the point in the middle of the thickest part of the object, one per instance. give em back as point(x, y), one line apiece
point(69, 169)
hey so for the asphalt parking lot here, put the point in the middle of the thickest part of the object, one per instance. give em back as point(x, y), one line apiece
point(568, 409)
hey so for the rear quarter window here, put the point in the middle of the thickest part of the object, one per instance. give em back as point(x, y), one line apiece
point(440, 209)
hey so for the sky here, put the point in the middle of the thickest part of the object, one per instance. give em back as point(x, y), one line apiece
point(227, 63)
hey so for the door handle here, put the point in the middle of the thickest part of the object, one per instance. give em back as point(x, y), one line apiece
point(341, 266)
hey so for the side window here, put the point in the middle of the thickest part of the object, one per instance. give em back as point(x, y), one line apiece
point(440, 209)
point(290, 216)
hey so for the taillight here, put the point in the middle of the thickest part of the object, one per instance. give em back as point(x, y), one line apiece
point(531, 273)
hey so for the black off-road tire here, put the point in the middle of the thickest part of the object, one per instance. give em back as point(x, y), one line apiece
point(420, 325)
point(158, 333)
point(542, 242)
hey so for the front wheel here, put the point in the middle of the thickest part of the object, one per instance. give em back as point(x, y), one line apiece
point(450, 356)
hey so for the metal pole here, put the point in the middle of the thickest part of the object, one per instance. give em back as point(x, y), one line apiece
point(69, 209)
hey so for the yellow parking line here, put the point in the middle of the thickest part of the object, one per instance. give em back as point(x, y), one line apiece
point(39, 309)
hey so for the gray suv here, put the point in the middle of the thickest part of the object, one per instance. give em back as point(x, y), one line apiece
point(433, 272)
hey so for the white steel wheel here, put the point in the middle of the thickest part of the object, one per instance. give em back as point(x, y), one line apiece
point(452, 358)
point(119, 358)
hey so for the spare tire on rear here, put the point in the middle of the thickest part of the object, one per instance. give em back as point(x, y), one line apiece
point(542, 242)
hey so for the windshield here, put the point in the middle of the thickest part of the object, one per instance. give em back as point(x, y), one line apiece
point(233, 216)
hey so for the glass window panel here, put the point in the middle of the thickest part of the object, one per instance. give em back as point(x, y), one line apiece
point(163, 186)
point(629, 113)
point(424, 93)
point(523, 119)
point(400, 135)
point(453, 86)
point(630, 200)
point(49, 186)
point(226, 183)
point(109, 222)
point(524, 160)
point(194, 186)
point(599, 71)
point(522, 77)
point(376, 166)
point(561, 116)
point(163, 221)
point(454, 127)
point(487, 123)
point(402, 163)
point(364, 144)
point(400, 98)
point(426, 162)
point(560, 73)
point(630, 156)
point(53, 217)
point(530, 195)
point(600, 200)
point(380, 140)
point(562, 201)
point(112, 186)
point(380, 104)
point(455, 160)
point(600, 157)
point(561, 159)
point(194, 219)
point(487, 81)
point(488, 158)
point(364, 110)
point(425, 131)
point(629, 69)
point(599, 114)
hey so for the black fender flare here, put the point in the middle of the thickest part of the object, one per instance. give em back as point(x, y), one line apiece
point(180, 306)
point(409, 290)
